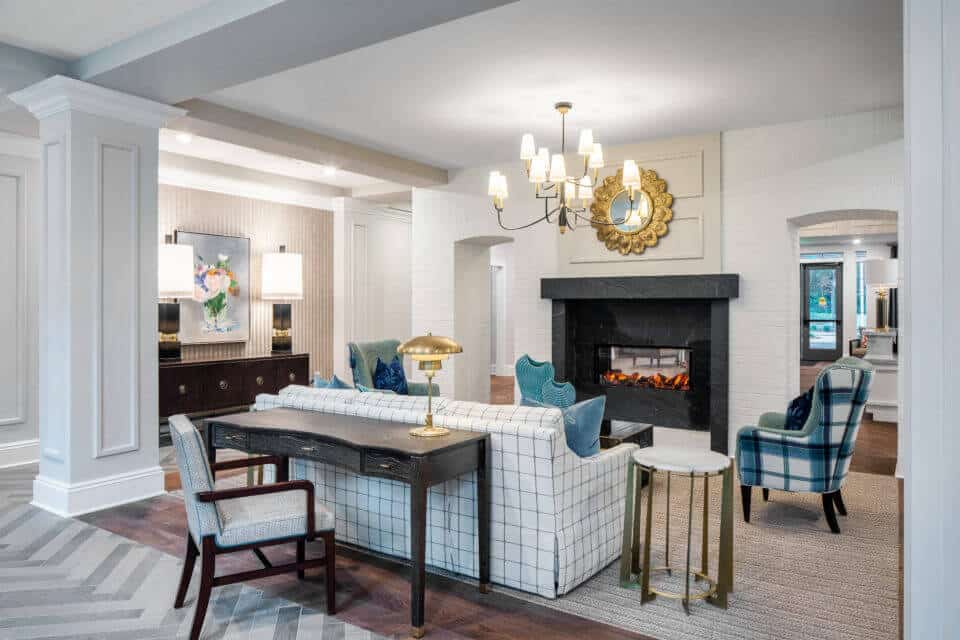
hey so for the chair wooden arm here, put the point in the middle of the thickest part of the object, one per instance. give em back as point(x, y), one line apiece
point(258, 490)
point(239, 463)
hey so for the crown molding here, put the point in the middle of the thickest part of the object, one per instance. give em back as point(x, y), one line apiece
point(60, 93)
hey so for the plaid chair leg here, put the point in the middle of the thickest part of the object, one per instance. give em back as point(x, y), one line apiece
point(829, 512)
point(746, 492)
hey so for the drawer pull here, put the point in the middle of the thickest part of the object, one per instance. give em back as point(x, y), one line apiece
point(224, 385)
point(259, 381)
point(385, 465)
point(308, 449)
point(182, 389)
point(292, 377)
point(234, 437)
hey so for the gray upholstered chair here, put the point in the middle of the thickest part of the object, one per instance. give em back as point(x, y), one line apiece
point(363, 362)
point(243, 519)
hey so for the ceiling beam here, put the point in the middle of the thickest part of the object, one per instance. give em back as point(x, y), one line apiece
point(237, 127)
point(229, 42)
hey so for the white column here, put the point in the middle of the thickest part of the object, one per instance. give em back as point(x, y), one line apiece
point(97, 295)
point(930, 345)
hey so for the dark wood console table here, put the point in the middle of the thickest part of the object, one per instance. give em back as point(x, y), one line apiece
point(376, 448)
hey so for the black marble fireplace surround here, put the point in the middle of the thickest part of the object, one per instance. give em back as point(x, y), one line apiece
point(689, 312)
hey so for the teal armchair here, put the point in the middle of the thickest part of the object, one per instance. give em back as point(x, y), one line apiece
point(363, 362)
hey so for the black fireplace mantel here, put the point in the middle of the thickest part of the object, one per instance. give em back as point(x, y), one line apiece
point(657, 311)
point(697, 287)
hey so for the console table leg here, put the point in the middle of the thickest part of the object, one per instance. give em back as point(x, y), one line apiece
point(283, 469)
point(418, 551)
point(483, 515)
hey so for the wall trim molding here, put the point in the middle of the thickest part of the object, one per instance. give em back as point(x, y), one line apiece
point(15, 454)
point(105, 328)
point(13, 144)
point(20, 300)
point(70, 500)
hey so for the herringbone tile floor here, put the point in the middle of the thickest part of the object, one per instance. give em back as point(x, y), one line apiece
point(62, 578)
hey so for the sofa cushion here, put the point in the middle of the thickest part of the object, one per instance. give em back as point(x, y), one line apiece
point(541, 416)
point(302, 397)
point(581, 424)
point(390, 376)
point(395, 401)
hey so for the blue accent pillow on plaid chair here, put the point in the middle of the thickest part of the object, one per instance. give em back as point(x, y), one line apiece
point(390, 377)
point(798, 411)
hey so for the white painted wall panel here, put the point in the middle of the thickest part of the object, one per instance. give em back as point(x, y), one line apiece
point(13, 291)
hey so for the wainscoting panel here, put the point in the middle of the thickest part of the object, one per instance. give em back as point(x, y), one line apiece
point(268, 225)
point(13, 290)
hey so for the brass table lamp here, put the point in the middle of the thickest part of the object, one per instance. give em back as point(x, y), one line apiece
point(430, 351)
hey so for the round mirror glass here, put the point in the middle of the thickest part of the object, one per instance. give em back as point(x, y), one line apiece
point(631, 221)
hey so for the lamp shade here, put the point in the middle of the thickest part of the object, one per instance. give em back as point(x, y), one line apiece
point(596, 156)
point(175, 271)
point(538, 170)
point(585, 147)
point(558, 168)
point(880, 273)
point(527, 147)
point(430, 347)
point(631, 174)
point(282, 276)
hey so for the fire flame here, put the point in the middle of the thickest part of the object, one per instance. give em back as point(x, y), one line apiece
point(679, 382)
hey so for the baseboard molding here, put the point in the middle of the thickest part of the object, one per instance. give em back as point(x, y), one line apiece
point(69, 500)
point(15, 454)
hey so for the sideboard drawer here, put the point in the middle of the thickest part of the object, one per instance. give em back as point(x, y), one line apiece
point(227, 438)
point(223, 386)
point(258, 377)
point(291, 372)
point(387, 464)
point(179, 390)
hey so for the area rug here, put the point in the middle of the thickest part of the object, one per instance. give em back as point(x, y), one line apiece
point(793, 578)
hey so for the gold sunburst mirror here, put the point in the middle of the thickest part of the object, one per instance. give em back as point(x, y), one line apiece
point(643, 226)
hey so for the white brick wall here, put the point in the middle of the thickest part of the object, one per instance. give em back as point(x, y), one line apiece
point(771, 175)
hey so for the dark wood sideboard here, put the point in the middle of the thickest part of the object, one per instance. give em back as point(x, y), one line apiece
point(209, 387)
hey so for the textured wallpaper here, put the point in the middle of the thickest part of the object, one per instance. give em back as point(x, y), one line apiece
point(268, 225)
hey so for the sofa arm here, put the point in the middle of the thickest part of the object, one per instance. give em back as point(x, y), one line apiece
point(772, 420)
point(420, 389)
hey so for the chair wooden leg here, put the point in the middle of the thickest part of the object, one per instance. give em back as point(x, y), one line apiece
point(301, 557)
point(330, 552)
point(838, 501)
point(745, 494)
point(766, 495)
point(189, 560)
point(828, 511)
point(207, 567)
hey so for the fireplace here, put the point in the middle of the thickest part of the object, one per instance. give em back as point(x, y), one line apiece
point(656, 347)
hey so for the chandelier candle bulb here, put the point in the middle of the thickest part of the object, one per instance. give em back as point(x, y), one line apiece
point(558, 168)
point(527, 147)
point(585, 148)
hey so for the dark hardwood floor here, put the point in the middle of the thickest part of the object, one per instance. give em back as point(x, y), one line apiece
point(372, 592)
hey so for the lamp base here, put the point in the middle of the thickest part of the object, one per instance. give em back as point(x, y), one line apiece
point(169, 350)
point(281, 344)
point(429, 431)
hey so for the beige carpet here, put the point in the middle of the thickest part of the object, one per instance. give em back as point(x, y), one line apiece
point(793, 578)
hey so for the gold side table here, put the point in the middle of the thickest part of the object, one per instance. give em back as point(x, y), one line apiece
point(635, 569)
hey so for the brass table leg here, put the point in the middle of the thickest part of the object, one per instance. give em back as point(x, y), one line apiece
point(686, 590)
point(630, 532)
point(704, 545)
point(666, 562)
point(637, 515)
point(645, 594)
point(725, 570)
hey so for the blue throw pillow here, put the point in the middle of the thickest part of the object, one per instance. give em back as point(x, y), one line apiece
point(332, 383)
point(798, 411)
point(390, 376)
point(581, 424)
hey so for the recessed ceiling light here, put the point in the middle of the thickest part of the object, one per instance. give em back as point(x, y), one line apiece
point(857, 241)
point(329, 170)
point(184, 138)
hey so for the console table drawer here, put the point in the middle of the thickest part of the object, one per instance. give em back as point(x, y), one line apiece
point(387, 464)
point(296, 446)
point(228, 438)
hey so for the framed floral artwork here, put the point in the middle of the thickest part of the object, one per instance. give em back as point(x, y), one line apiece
point(220, 308)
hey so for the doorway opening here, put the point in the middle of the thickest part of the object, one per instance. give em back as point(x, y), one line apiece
point(821, 332)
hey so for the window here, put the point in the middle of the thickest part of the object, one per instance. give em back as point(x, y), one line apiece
point(861, 293)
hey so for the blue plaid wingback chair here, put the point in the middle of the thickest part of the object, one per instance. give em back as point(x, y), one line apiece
point(815, 458)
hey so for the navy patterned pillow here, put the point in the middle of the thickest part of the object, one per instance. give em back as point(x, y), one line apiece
point(390, 376)
point(798, 411)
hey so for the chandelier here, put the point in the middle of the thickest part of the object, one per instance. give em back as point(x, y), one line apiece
point(548, 174)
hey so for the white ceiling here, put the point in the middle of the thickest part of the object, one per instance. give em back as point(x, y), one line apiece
point(70, 29)
point(227, 153)
point(461, 94)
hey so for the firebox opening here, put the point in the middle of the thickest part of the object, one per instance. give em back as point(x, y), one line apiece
point(644, 367)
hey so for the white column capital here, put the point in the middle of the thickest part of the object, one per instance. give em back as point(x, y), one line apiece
point(60, 93)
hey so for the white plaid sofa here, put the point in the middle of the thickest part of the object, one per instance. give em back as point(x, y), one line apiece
point(557, 519)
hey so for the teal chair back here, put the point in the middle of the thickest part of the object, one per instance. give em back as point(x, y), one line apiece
point(363, 359)
point(537, 384)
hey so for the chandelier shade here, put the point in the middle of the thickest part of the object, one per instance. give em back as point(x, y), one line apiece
point(548, 173)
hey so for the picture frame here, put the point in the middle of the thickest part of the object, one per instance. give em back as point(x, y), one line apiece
point(219, 311)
